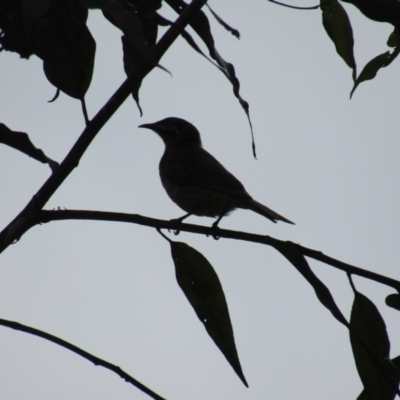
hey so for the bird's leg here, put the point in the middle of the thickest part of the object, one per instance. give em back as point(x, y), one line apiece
point(215, 224)
point(179, 220)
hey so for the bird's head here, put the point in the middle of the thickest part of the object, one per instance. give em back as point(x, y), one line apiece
point(175, 131)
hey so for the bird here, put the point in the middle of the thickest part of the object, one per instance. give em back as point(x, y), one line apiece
point(196, 181)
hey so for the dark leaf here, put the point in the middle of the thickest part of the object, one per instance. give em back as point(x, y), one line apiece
point(165, 22)
point(363, 396)
point(55, 97)
point(367, 328)
point(234, 31)
point(394, 38)
point(200, 284)
point(393, 300)
point(18, 21)
point(66, 47)
point(201, 26)
point(338, 27)
point(379, 10)
point(140, 29)
point(371, 69)
point(396, 362)
point(290, 251)
point(20, 141)
point(137, 5)
point(93, 3)
point(128, 22)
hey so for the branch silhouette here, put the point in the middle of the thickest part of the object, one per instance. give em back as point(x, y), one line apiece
point(69, 346)
point(293, 252)
point(23, 221)
point(59, 215)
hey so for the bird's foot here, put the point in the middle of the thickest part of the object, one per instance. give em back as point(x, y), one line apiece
point(216, 228)
point(178, 221)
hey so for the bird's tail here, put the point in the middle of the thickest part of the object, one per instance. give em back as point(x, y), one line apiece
point(267, 212)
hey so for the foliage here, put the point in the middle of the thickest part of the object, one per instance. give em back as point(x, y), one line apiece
point(56, 32)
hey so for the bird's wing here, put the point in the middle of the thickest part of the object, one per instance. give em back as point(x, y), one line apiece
point(198, 168)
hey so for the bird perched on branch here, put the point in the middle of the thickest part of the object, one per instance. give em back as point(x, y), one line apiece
point(195, 180)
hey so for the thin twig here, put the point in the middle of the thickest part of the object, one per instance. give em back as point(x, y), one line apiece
point(23, 221)
point(295, 7)
point(69, 346)
point(84, 111)
point(58, 215)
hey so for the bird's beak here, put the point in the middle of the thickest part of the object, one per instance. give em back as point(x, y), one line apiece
point(147, 126)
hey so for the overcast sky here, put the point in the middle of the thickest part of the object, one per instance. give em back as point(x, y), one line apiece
point(329, 164)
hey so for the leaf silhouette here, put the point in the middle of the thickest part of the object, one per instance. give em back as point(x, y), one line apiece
point(291, 252)
point(200, 284)
point(20, 141)
point(393, 300)
point(372, 67)
point(18, 21)
point(367, 325)
point(338, 27)
point(67, 48)
point(201, 26)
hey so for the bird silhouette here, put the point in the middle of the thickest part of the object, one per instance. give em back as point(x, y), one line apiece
point(195, 180)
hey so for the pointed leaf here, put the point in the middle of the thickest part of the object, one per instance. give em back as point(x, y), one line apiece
point(367, 326)
point(200, 284)
point(394, 38)
point(338, 27)
point(129, 23)
point(371, 69)
point(18, 21)
point(379, 10)
point(393, 300)
point(201, 26)
point(20, 141)
point(189, 39)
point(140, 28)
point(363, 396)
point(64, 43)
point(396, 362)
point(291, 252)
point(234, 31)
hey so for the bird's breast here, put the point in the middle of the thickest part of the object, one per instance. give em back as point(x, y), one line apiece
point(198, 183)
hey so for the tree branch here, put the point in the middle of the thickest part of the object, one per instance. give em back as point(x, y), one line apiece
point(295, 7)
point(22, 222)
point(69, 346)
point(58, 215)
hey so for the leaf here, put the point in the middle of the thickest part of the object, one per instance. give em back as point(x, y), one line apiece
point(368, 329)
point(396, 362)
point(234, 31)
point(394, 38)
point(371, 69)
point(140, 28)
point(338, 27)
point(363, 396)
point(20, 141)
point(393, 300)
point(64, 43)
point(200, 284)
point(18, 21)
point(185, 35)
point(128, 22)
point(379, 10)
point(290, 251)
point(201, 26)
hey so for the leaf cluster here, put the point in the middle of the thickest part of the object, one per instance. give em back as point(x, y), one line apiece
point(56, 31)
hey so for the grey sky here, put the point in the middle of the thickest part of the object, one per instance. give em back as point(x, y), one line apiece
point(329, 164)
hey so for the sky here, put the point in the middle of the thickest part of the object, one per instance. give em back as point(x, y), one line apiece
point(327, 163)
